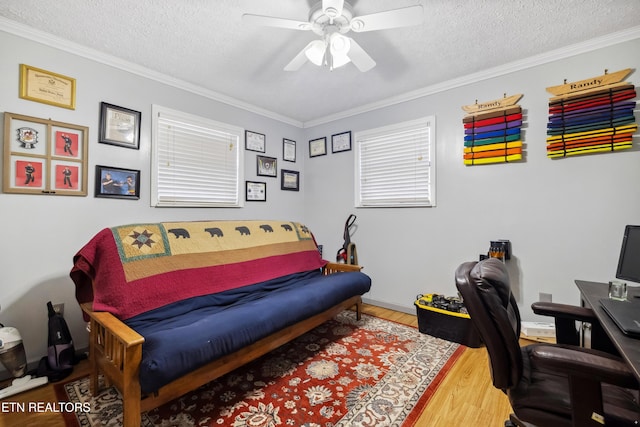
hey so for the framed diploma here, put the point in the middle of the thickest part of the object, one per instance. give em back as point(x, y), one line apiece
point(290, 180)
point(119, 126)
point(341, 142)
point(288, 150)
point(256, 191)
point(254, 141)
point(318, 147)
point(47, 87)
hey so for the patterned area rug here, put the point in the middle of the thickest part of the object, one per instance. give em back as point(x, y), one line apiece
point(371, 372)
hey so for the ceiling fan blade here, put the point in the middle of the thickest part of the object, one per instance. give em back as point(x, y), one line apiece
point(359, 57)
point(271, 21)
point(332, 8)
point(299, 60)
point(405, 17)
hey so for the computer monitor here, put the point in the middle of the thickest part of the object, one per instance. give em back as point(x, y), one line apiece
point(629, 261)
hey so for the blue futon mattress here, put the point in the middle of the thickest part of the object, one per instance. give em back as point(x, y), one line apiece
point(186, 335)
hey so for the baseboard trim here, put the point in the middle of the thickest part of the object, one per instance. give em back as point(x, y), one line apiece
point(396, 307)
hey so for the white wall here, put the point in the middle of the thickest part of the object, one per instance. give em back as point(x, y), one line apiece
point(40, 234)
point(564, 217)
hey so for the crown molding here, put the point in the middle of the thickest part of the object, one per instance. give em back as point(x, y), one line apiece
point(530, 62)
point(30, 33)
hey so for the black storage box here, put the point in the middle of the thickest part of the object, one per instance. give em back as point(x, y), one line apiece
point(448, 325)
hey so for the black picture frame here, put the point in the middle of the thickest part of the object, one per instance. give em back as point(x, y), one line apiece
point(267, 166)
point(255, 191)
point(117, 183)
point(318, 147)
point(341, 142)
point(289, 180)
point(288, 150)
point(119, 126)
point(255, 141)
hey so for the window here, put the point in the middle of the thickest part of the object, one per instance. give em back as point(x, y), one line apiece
point(195, 161)
point(395, 165)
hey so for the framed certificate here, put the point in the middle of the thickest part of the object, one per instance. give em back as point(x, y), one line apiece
point(288, 150)
point(47, 87)
point(256, 191)
point(254, 141)
point(341, 142)
point(290, 180)
point(318, 147)
point(119, 126)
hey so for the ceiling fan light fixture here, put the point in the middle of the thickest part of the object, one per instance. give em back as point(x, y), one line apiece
point(315, 52)
point(339, 46)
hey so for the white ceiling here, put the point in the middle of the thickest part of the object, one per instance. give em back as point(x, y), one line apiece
point(205, 44)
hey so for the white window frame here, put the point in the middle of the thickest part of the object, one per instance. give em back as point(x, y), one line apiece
point(209, 187)
point(388, 176)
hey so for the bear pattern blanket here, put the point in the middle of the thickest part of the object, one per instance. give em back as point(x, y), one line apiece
point(131, 269)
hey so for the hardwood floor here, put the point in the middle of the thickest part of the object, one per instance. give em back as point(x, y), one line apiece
point(465, 397)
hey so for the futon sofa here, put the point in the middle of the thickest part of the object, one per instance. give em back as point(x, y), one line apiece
point(174, 305)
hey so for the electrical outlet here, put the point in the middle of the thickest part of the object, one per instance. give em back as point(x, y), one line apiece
point(545, 297)
point(59, 308)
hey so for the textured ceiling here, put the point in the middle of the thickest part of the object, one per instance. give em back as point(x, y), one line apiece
point(205, 43)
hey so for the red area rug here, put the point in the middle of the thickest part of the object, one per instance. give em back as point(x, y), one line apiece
point(371, 372)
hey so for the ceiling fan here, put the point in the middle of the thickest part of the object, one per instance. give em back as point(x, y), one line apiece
point(331, 19)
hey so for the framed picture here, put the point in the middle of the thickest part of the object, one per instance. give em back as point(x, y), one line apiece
point(288, 150)
point(47, 87)
point(341, 142)
point(267, 166)
point(117, 183)
point(44, 156)
point(254, 141)
point(119, 126)
point(289, 180)
point(318, 147)
point(256, 191)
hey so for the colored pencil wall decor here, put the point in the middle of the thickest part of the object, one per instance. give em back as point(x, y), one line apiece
point(492, 131)
point(591, 116)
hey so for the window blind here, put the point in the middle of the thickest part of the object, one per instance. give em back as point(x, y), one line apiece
point(196, 161)
point(395, 165)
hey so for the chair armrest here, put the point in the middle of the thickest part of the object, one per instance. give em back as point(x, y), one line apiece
point(334, 267)
point(585, 363)
point(564, 311)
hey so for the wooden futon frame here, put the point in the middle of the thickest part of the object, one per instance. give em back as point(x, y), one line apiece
point(115, 351)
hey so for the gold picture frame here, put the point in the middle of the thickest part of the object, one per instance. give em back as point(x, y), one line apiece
point(47, 87)
point(44, 156)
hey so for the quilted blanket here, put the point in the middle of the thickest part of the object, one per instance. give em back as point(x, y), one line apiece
point(131, 269)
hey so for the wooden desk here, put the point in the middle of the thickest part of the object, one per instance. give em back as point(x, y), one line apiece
point(629, 348)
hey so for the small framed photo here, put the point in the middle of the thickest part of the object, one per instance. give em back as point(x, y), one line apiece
point(289, 180)
point(341, 142)
point(117, 183)
point(254, 141)
point(256, 191)
point(47, 87)
point(318, 147)
point(288, 150)
point(119, 126)
point(267, 166)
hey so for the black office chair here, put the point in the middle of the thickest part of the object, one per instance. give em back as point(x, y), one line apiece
point(548, 385)
point(565, 318)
